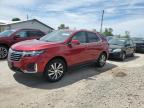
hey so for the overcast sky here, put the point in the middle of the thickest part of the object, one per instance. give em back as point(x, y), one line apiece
point(121, 15)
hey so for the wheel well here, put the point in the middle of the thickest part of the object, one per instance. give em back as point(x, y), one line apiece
point(4, 45)
point(104, 53)
point(59, 57)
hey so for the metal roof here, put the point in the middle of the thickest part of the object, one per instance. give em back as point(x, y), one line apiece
point(3, 22)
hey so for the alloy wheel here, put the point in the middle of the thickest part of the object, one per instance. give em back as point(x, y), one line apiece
point(56, 70)
point(102, 59)
point(3, 52)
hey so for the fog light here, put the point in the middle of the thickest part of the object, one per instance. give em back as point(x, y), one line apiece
point(32, 67)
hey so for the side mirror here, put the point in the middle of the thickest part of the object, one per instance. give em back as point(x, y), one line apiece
point(16, 36)
point(74, 42)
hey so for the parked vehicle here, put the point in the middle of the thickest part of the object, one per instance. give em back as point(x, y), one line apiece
point(52, 54)
point(139, 44)
point(109, 38)
point(120, 48)
point(10, 37)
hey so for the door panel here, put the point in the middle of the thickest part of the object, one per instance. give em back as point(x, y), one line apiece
point(94, 46)
point(77, 53)
point(94, 49)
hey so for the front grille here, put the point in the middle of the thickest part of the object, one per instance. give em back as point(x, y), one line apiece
point(15, 55)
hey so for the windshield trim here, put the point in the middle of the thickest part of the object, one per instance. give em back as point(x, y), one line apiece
point(57, 36)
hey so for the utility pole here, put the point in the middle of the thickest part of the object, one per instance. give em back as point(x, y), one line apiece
point(102, 21)
point(27, 17)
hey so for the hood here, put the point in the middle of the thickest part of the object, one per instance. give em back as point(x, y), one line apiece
point(32, 45)
point(115, 47)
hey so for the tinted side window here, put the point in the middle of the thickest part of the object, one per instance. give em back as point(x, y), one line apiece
point(81, 36)
point(40, 33)
point(32, 33)
point(22, 34)
point(36, 33)
point(92, 37)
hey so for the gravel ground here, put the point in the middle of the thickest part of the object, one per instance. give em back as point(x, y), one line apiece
point(117, 85)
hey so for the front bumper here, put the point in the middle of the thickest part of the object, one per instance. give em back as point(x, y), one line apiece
point(16, 68)
point(115, 55)
point(28, 64)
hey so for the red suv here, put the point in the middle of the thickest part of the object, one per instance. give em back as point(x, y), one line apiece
point(10, 37)
point(52, 54)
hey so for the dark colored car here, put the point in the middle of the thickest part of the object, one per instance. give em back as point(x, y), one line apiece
point(139, 44)
point(120, 48)
point(52, 54)
point(109, 38)
point(10, 37)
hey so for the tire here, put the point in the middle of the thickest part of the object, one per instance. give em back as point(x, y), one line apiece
point(3, 52)
point(102, 60)
point(55, 70)
point(123, 56)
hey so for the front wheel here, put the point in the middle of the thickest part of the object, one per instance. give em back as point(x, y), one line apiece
point(55, 70)
point(3, 52)
point(102, 60)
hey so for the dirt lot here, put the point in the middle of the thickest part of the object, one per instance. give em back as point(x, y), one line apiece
point(117, 85)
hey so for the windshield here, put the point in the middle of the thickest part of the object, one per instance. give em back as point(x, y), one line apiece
point(7, 33)
point(56, 36)
point(117, 42)
point(109, 38)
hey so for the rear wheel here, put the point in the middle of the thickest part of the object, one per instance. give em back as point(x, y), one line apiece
point(3, 52)
point(55, 70)
point(102, 60)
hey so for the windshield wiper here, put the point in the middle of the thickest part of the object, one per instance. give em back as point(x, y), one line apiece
point(114, 44)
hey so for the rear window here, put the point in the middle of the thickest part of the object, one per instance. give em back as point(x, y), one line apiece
point(92, 37)
point(36, 33)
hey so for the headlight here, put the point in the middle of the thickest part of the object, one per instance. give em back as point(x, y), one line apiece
point(117, 50)
point(32, 53)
